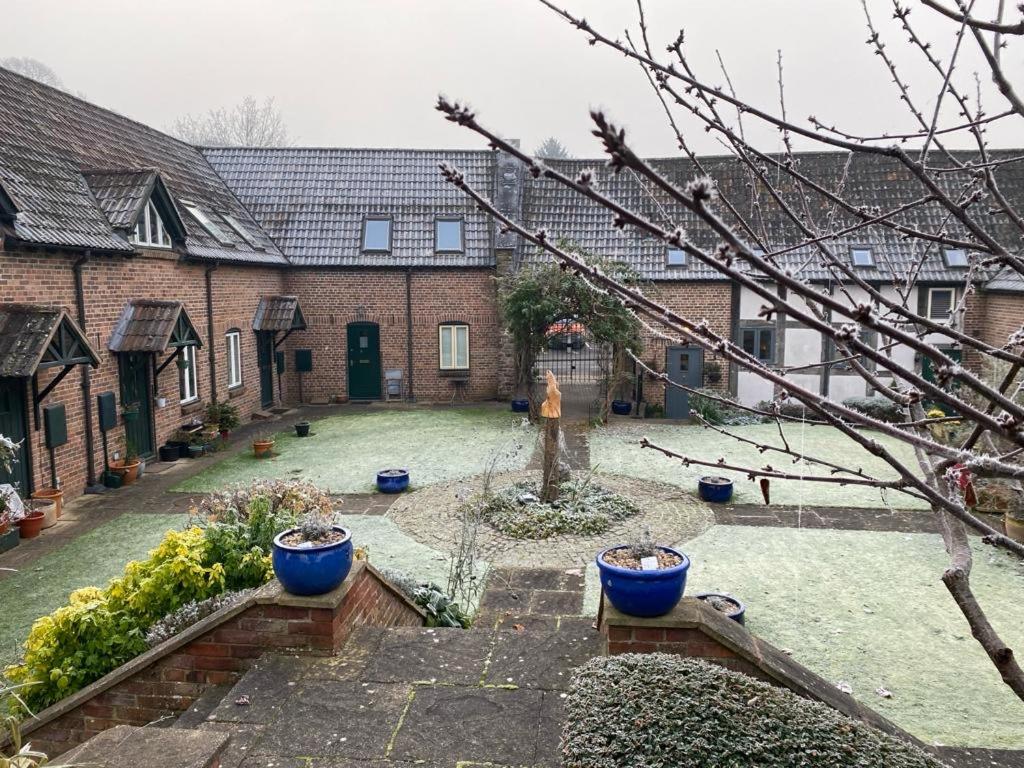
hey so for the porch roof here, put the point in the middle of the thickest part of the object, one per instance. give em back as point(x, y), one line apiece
point(34, 337)
point(151, 325)
point(278, 313)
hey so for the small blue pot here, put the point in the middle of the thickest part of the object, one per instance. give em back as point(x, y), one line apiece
point(643, 593)
point(715, 489)
point(312, 570)
point(739, 615)
point(392, 480)
point(521, 406)
point(622, 407)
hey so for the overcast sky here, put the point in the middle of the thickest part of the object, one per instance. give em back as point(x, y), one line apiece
point(367, 72)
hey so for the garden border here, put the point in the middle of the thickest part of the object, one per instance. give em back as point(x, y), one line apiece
point(167, 679)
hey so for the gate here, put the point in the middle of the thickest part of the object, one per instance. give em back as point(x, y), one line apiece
point(581, 365)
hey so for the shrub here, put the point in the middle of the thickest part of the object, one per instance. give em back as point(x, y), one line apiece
point(718, 413)
point(665, 711)
point(441, 608)
point(881, 408)
point(191, 613)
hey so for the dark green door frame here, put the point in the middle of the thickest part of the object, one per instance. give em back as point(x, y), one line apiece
point(14, 424)
point(364, 371)
point(265, 363)
point(135, 374)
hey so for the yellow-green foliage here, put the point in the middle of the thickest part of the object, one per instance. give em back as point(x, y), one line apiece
point(98, 630)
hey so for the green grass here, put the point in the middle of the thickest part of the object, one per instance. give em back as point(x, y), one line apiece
point(869, 608)
point(616, 450)
point(345, 451)
point(92, 559)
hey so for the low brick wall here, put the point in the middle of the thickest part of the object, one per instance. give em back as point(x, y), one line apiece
point(696, 630)
point(169, 678)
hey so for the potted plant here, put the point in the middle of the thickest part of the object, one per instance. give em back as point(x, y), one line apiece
point(642, 578)
point(196, 447)
point(392, 480)
point(713, 372)
point(726, 604)
point(263, 446)
point(302, 428)
point(313, 558)
point(56, 494)
point(49, 509)
point(521, 405)
point(715, 489)
point(620, 385)
point(8, 535)
point(31, 523)
point(224, 416)
point(128, 467)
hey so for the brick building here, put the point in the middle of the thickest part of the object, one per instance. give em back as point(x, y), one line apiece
point(170, 276)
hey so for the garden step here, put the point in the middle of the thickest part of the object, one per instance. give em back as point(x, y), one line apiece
point(202, 707)
point(151, 747)
point(262, 415)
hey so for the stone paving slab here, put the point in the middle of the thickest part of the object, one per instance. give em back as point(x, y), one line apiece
point(265, 686)
point(492, 725)
point(442, 655)
point(331, 718)
point(540, 659)
point(351, 661)
point(549, 730)
point(243, 738)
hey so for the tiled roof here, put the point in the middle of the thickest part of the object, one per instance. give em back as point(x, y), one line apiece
point(313, 201)
point(48, 138)
point(146, 325)
point(121, 194)
point(870, 181)
point(1006, 281)
point(28, 332)
point(278, 313)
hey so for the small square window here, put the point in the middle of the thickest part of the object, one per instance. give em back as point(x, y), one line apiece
point(675, 257)
point(940, 303)
point(448, 235)
point(759, 342)
point(377, 234)
point(956, 257)
point(862, 257)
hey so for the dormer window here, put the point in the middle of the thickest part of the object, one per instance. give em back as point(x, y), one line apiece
point(862, 257)
point(377, 234)
point(206, 221)
point(956, 258)
point(675, 257)
point(448, 235)
point(149, 229)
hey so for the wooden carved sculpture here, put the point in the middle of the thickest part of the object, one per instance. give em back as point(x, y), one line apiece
point(551, 411)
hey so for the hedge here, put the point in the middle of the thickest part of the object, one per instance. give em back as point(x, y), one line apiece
point(664, 711)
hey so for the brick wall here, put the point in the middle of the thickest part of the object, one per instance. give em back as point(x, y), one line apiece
point(168, 679)
point(697, 301)
point(39, 277)
point(333, 298)
point(1003, 316)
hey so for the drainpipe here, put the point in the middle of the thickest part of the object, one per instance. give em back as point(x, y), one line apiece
point(408, 328)
point(90, 462)
point(211, 347)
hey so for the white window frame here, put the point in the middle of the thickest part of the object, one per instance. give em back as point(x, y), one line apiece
point(391, 234)
point(862, 249)
point(452, 330)
point(952, 302)
point(678, 264)
point(461, 247)
point(949, 264)
point(144, 228)
point(234, 344)
point(189, 381)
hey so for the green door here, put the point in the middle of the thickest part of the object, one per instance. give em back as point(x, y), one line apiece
point(137, 400)
point(928, 374)
point(265, 361)
point(12, 425)
point(363, 361)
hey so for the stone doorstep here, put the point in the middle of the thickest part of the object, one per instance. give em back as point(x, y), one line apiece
point(694, 614)
point(126, 745)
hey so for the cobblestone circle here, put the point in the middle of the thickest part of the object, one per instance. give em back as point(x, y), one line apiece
point(430, 516)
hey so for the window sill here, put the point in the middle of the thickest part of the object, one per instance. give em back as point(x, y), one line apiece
point(192, 406)
point(236, 391)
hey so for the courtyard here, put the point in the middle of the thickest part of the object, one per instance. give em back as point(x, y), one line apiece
point(857, 601)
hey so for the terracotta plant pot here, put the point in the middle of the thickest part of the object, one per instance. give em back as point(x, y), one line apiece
point(31, 524)
point(49, 509)
point(1014, 528)
point(55, 494)
point(262, 448)
point(127, 470)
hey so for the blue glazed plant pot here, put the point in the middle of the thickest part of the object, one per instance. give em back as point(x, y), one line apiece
point(312, 570)
point(738, 611)
point(715, 489)
point(643, 593)
point(521, 405)
point(622, 407)
point(392, 480)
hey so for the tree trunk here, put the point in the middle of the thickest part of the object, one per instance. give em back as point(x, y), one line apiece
point(549, 487)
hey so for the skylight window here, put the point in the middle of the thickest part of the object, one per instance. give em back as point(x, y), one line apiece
point(207, 223)
point(376, 233)
point(675, 257)
point(862, 257)
point(149, 229)
point(956, 257)
point(448, 235)
point(241, 231)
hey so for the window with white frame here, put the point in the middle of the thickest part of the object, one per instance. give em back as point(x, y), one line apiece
point(189, 388)
point(448, 235)
point(940, 303)
point(377, 233)
point(955, 257)
point(862, 257)
point(675, 257)
point(234, 346)
point(454, 347)
point(149, 229)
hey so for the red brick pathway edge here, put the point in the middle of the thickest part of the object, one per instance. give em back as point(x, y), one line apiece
point(696, 630)
point(168, 679)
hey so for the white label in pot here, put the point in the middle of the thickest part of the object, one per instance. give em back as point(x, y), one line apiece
point(649, 563)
